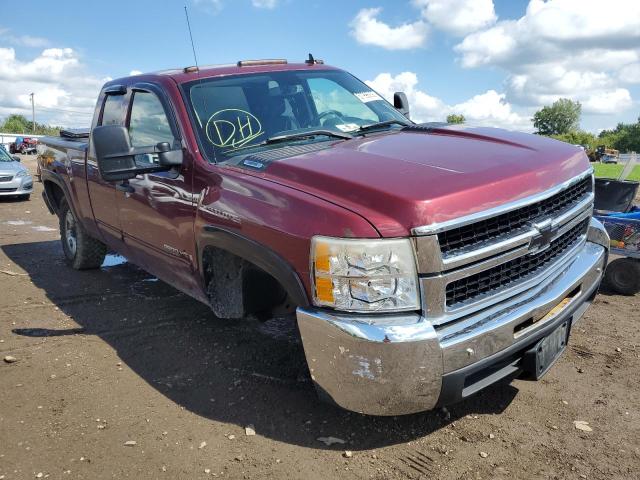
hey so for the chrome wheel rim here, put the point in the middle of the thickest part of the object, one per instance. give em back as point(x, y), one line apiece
point(70, 233)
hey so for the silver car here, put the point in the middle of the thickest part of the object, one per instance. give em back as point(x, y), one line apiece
point(15, 179)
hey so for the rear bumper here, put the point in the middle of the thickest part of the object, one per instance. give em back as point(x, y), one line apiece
point(400, 364)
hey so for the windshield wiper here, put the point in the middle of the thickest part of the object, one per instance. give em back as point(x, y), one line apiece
point(386, 123)
point(290, 136)
point(305, 134)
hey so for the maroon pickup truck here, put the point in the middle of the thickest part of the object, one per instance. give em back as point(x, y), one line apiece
point(423, 261)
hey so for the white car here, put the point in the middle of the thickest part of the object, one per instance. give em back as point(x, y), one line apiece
point(15, 179)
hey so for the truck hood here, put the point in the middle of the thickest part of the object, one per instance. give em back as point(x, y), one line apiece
point(401, 180)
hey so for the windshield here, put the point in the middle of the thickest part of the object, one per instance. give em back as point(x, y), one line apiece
point(238, 114)
point(4, 156)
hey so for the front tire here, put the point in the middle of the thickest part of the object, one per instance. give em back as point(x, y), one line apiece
point(81, 251)
point(623, 276)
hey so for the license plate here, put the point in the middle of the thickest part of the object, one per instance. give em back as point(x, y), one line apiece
point(549, 349)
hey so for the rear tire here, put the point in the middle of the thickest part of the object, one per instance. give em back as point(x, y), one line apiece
point(623, 276)
point(81, 251)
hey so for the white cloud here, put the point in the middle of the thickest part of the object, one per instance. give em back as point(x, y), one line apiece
point(458, 17)
point(215, 6)
point(487, 109)
point(269, 4)
point(491, 109)
point(608, 101)
point(210, 6)
point(64, 93)
point(23, 40)
point(368, 30)
point(135, 72)
point(581, 49)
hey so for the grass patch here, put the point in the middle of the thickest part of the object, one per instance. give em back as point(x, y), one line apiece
point(609, 170)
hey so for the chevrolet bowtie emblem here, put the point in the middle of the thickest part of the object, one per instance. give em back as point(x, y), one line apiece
point(542, 239)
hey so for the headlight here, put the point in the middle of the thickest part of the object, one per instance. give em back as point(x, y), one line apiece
point(364, 275)
point(22, 173)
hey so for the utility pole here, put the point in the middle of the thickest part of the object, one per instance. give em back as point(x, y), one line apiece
point(33, 112)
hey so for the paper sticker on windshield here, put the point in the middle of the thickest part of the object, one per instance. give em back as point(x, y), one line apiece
point(348, 127)
point(232, 128)
point(366, 97)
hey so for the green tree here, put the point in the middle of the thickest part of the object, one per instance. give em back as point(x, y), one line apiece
point(455, 118)
point(579, 137)
point(19, 124)
point(625, 137)
point(16, 124)
point(561, 117)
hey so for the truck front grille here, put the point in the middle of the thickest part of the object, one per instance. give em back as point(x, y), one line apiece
point(506, 223)
point(501, 276)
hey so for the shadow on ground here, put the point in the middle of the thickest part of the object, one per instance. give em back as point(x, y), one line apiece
point(241, 372)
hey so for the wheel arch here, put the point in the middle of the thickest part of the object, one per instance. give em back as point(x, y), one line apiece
point(254, 253)
point(55, 190)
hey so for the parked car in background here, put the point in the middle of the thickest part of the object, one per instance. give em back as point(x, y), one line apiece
point(423, 262)
point(24, 145)
point(607, 155)
point(15, 179)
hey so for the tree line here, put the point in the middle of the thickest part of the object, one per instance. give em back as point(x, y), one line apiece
point(561, 120)
point(20, 125)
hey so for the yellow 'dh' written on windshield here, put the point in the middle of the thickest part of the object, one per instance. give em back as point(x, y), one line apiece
point(232, 128)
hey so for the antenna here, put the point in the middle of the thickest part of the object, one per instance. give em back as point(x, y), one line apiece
point(193, 47)
point(197, 70)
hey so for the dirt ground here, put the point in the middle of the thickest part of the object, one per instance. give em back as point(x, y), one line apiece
point(113, 356)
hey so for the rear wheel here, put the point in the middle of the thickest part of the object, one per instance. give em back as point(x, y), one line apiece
point(623, 276)
point(80, 250)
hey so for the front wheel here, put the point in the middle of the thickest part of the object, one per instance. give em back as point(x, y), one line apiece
point(80, 250)
point(623, 276)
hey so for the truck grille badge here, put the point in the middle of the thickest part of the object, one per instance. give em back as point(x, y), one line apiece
point(542, 240)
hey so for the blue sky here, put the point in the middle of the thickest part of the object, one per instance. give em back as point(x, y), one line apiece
point(467, 56)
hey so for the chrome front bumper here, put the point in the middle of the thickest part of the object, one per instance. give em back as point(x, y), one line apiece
point(400, 364)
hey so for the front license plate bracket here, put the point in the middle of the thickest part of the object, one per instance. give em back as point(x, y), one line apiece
point(537, 361)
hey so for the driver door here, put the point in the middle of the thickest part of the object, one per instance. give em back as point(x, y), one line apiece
point(157, 210)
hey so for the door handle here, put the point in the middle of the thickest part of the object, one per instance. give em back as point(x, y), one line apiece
point(125, 187)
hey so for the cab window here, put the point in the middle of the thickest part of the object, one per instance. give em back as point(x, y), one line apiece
point(148, 125)
point(112, 112)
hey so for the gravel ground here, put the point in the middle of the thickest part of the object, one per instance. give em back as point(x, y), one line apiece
point(118, 375)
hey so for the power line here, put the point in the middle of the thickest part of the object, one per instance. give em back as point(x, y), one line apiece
point(65, 110)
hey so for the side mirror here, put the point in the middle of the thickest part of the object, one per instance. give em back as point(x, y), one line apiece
point(401, 103)
point(117, 158)
point(16, 158)
point(168, 157)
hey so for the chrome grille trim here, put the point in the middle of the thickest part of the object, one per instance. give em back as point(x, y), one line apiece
point(458, 240)
point(492, 212)
point(433, 290)
point(431, 260)
point(485, 283)
point(437, 270)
